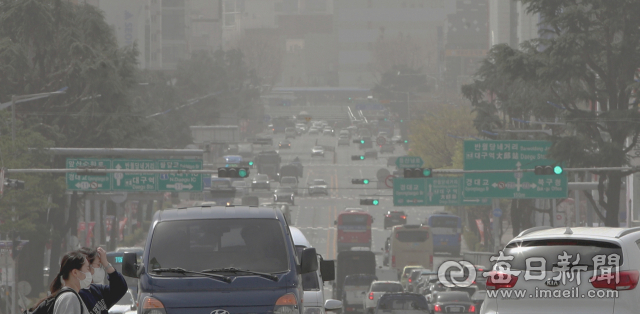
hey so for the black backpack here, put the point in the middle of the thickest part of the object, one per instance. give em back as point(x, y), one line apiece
point(46, 306)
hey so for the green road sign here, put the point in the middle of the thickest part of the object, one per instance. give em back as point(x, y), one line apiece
point(77, 182)
point(409, 192)
point(442, 191)
point(409, 162)
point(510, 155)
point(186, 182)
point(141, 182)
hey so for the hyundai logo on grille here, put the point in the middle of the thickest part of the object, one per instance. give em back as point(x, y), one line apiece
point(552, 283)
point(219, 311)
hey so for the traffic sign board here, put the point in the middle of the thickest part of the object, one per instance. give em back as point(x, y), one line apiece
point(408, 192)
point(181, 181)
point(77, 182)
point(442, 191)
point(388, 181)
point(409, 162)
point(381, 140)
point(140, 182)
point(497, 212)
point(510, 155)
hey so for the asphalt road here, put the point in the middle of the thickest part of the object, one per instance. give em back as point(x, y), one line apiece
point(315, 215)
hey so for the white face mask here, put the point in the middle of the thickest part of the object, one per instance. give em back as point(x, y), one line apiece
point(98, 275)
point(86, 282)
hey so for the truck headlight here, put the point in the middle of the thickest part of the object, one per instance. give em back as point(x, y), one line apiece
point(313, 310)
point(286, 304)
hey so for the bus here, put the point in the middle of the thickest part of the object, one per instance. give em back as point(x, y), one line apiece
point(411, 245)
point(447, 232)
point(353, 229)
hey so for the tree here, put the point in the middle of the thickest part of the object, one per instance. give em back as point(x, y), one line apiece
point(436, 138)
point(584, 63)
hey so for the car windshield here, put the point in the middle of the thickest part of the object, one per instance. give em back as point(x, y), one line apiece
point(239, 183)
point(412, 236)
point(453, 297)
point(254, 244)
point(284, 190)
point(319, 182)
point(318, 148)
point(549, 252)
point(262, 177)
point(288, 180)
point(386, 287)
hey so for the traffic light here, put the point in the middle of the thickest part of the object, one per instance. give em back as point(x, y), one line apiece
point(233, 172)
point(359, 181)
point(357, 157)
point(373, 202)
point(14, 184)
point(246, 164)
point(417, 172)
point(406, 141)
point(548, 170)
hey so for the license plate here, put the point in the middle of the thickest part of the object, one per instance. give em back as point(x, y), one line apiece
point(443, 243)
point(455, 309)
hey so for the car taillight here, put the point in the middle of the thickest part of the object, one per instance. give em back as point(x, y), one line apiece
point(404, 217)
point(497, 285)
point(370, 295)
point(437, 308)
point(387, 216)
point(624, 280)
point(410, 280)
point(393, 261)
point(472, 308)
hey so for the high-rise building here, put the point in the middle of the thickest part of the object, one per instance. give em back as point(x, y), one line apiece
point(363, 25)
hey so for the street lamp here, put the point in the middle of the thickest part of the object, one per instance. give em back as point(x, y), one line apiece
point(25, 98)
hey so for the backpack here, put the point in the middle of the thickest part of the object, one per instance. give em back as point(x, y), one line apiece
point(46, 306)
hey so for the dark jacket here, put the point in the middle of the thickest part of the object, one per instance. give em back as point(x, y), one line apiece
point(100, 298)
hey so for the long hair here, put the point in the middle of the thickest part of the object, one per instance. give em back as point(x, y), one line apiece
point(90, 253)
point(70, 261)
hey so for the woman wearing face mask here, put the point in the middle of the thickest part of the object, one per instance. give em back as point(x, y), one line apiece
point(98, 297)
point(73, 276)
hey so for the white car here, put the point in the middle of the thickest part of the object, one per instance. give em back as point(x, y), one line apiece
point(317, 151)
point(377, 289)
point(312, 283)
point(318, 186)
point(125, 304)
point(547, 256)
point(343, 140)
point(241, 187)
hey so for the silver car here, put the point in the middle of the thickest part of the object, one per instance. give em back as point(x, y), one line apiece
point(318, 186)
point(317, 151)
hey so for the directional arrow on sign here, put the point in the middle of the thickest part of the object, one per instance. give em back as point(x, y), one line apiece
point(180, 186)
point(118, 175)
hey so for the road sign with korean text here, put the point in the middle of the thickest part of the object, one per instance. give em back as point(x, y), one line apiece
point(185, 182)
point(510, 155)
point(96, 183)
point(141, 182)
point(409, 162)
point(438, 191)
point(409, 192)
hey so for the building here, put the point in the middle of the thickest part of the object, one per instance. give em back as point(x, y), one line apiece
point(206, 25)
point(361, 25)
point(467, 41)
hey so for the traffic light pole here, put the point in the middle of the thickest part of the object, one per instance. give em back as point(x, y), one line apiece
point(215, 171)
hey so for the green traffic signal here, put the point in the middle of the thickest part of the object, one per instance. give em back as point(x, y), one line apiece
point(251, 163)
point(365, 181)
point(361, 157)
point(558, 170)
point(242, 173)
point(375, 202)
point(361, 141)
point(406, 141)
point(426, 172)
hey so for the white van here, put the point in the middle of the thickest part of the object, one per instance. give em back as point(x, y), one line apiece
point(312, 283)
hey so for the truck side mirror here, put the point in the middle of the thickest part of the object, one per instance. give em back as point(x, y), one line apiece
point(328, 270)
point(309, 261)
point(130, 265)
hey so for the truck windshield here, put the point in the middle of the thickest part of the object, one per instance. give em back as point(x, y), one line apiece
point(252, 244)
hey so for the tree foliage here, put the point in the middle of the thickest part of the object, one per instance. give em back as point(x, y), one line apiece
point(584, 63)
point(436, 138)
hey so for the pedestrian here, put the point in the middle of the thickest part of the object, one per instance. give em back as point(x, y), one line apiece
point(98, 297)
point(74, 275)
